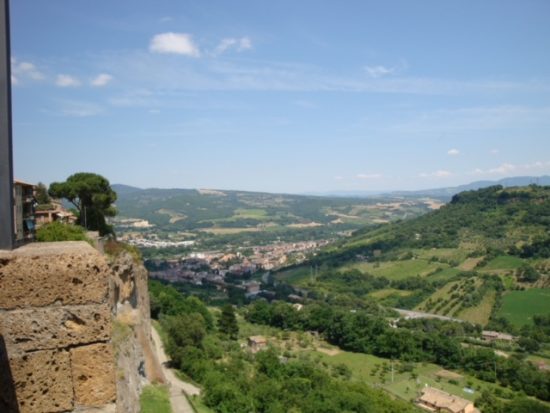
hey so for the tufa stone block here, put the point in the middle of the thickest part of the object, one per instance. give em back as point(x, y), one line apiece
point(42, 274)
point(42, 381)
point(55, 327)
point(93, 371)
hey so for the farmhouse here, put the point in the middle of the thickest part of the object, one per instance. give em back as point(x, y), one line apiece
point(435, 400)
point(256, 343)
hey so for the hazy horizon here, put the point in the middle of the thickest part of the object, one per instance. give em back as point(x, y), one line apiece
point(328, 192)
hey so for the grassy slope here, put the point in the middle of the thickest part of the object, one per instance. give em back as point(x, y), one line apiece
point(504, 262)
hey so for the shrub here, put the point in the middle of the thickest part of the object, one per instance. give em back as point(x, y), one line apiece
point(57, 231)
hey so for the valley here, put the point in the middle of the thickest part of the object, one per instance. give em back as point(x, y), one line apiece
point(455, 299)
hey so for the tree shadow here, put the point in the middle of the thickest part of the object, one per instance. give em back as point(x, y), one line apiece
point(8, 397)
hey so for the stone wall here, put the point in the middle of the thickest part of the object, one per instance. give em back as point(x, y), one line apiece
point(136, 363)
point(56, 350)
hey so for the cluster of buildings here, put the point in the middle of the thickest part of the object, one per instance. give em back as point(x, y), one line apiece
point(30, 215)
point(213, 266)
point(278, 254)
point(201, 271)
point(156, 243)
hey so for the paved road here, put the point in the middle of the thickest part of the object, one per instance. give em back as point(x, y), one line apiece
point(177, 387)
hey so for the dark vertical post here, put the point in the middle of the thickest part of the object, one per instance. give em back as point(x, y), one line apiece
point(7, 230)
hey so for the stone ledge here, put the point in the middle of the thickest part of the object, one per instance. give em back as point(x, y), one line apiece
point(42, 274)
point(55, 327)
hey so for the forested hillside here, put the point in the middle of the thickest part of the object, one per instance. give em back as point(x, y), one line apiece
point(475, 258)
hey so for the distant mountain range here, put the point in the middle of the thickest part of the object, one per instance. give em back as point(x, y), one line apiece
point(444, 193)
point(447, 192)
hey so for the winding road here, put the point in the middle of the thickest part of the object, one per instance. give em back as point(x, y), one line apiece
point(178, 389)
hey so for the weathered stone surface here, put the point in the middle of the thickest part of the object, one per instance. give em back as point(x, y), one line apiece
point(110, 408)
point(42, 274)
point(55, 327)
point(93, 371)
point(42, 381)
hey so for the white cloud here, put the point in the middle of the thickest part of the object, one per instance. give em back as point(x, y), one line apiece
point(101, 80)
point(453, 152)
point(136, 98)
point(503, 169)
point(24, 70)
point(177, 43)
point(67, 81)
point(379, 71)
point(75, 108)
point(240, 45)
point(244, 44)
point(437, 174)
point(494, 151)
point(369, 176)
point(338, 178)
point(509, 168)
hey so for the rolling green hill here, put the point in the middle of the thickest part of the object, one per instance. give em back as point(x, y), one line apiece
point(239, 216)
point(459, 261)
point(189, 209)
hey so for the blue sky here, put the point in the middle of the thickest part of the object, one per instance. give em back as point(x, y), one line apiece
point(281, 96)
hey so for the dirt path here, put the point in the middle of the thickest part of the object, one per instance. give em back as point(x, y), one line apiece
point(177, 387)
point(420, 314)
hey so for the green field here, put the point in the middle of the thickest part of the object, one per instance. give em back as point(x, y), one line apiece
point(405, 385)
point(395, 270)
point(504, 262)
point(155, 399)
point(519, 307)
